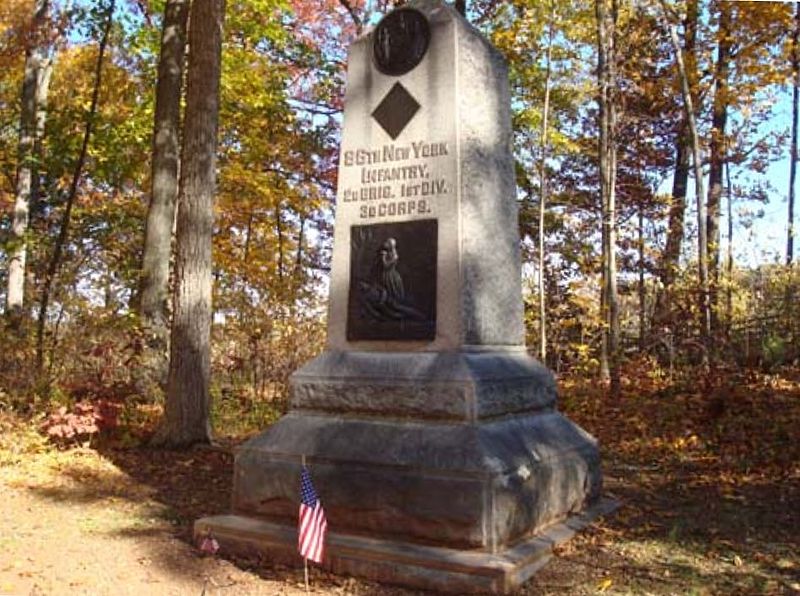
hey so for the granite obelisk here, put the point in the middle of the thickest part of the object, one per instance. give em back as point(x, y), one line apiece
point(433, 437)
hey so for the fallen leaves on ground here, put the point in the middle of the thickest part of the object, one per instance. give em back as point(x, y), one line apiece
point(706, 471)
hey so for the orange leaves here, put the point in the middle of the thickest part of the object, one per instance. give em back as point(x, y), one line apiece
point(315, 19)
point(84, 419)
point(755, 434)
point(16, 27)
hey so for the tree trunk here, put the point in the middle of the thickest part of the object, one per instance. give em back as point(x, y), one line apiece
point(153, 300)
point(63, 232)
point(543, 193)
point(702, 245)
point(606, 37)
point(717, 157)
point(187, 409)
point(611, 218)
point(675, 227)
point(298, 258)
point(42, 94)
point(642, 288)
point(670, 261)
point(602, 151)
point(279, 234)
point(793, 149)
point(35, 63)
point(729, 266)
point(461, 7)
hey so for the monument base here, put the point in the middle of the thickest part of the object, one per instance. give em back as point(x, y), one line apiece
point(408, 564)
point(465, 473)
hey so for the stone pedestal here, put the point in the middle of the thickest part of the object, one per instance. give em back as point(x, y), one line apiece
point(432, 437)
point(458, 449)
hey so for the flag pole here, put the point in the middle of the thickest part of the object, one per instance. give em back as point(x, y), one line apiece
point(305, 559)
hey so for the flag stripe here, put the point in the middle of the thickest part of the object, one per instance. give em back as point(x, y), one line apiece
point(311, 535)
point(312, 524)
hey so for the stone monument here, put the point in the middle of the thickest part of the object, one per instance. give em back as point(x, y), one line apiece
point(433, 438)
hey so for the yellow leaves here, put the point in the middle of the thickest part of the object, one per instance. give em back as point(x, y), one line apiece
point(245, 189)
point(72, 75)
point(604, 585)
point(505, 38)
point(682, 443)
point(786, 564)
point(16, 15)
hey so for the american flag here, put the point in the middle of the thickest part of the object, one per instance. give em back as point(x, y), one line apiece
point(312, 525)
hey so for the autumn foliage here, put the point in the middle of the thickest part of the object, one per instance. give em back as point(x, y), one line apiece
point(722, 403)
point(700, 446)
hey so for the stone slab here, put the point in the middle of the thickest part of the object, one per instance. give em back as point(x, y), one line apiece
point(462, 485)
point(466, 386)
point(409, 564)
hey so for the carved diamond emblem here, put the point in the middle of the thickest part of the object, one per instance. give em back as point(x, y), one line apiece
point(396, 110)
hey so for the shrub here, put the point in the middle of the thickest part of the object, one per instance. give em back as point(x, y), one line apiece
point(82, 421)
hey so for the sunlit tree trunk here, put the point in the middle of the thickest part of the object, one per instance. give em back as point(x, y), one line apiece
point(153, 299)
point(298, 259)
point(602, 151)
point(280, 237)
point(670, 261)
point(717, 157)
point(606, 72)
point(72, 193)
point(35, 74)
point(702, 245)
point(42, 94)
point(543, 193)
point(187, 408)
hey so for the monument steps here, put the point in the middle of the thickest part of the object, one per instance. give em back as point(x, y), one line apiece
point(423, 566)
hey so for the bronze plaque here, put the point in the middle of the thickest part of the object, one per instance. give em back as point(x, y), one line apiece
point(400, 42)
point(393, 281)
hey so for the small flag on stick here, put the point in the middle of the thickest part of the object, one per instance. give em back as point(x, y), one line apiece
point(209, 544)
point(312, 523)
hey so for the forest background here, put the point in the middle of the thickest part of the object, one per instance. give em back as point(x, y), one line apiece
point(656, 160)
point(639, 175)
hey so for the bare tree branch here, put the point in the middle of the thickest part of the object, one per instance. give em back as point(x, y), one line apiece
point(353, 15)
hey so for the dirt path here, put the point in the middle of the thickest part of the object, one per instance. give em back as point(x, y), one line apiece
point(89, 529)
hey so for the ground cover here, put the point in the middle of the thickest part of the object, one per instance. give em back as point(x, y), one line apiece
point(707, 474)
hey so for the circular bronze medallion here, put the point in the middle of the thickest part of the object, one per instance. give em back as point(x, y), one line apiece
point(400, 41)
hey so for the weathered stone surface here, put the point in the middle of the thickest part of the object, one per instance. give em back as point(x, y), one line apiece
point(427, 567)
point(474, 485)
point(429, 385)
point(491, 296)
point(455, 165)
